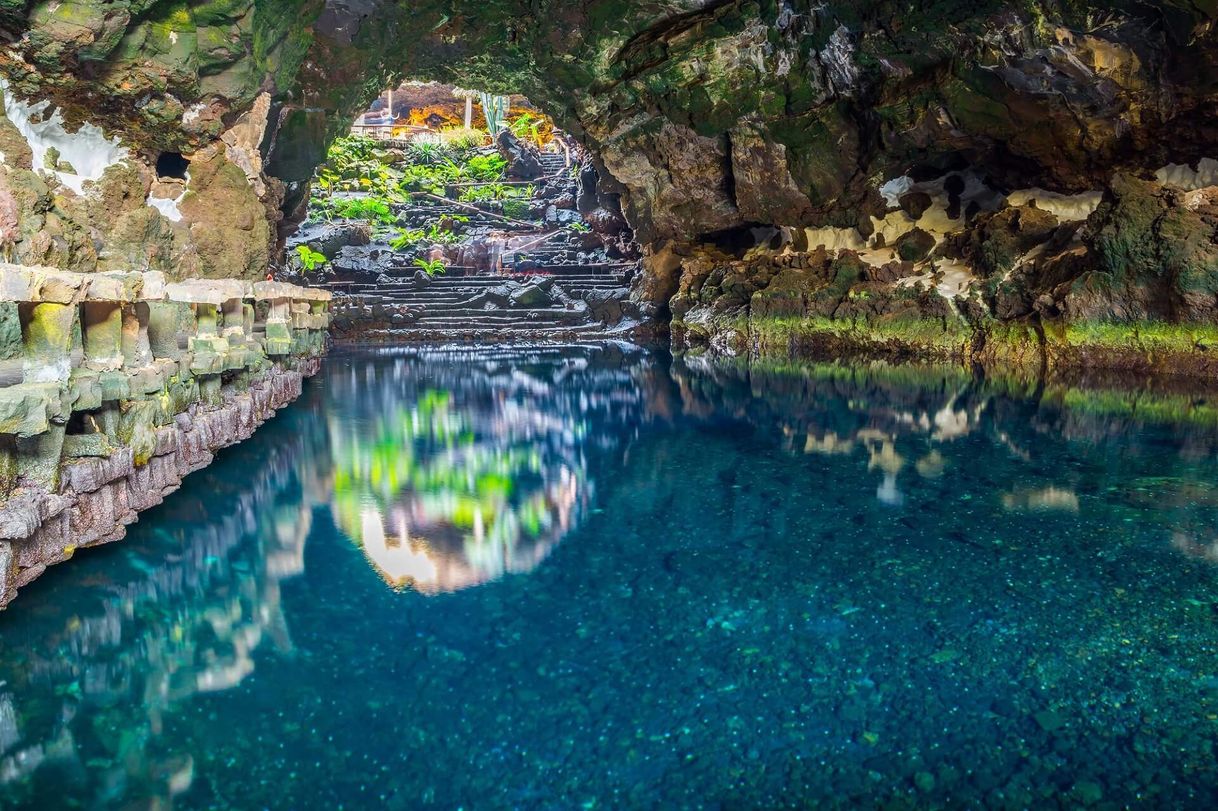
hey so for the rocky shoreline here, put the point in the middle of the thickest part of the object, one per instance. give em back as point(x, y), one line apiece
point(1133, 351)
point(101, 497)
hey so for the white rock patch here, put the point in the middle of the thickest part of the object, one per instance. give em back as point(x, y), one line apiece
point(1066, 207)
point(168, 206)
point(88, 150)
point(1187, 178)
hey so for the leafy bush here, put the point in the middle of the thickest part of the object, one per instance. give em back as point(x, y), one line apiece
point(495, 191)
point(429, 153)
point(310, 259)
point(372, 209)
point(517, 209)
point(486, 167)
point(438, 234)
point(462, 139)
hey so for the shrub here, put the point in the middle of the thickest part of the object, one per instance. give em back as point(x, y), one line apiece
point(460, 138)
point(517, 209)
point(429, 153)
point(372, 209)
point(406, 239)
point(486, 167)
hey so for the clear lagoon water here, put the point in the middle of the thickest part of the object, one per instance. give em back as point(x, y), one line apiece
point(596, 579)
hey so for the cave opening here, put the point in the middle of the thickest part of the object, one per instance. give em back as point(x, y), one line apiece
point(172, 165)
point(458, 209)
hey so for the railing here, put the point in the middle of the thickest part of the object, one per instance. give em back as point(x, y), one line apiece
point(99, 367)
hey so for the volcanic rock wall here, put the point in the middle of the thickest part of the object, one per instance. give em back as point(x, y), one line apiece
point(1037, 164)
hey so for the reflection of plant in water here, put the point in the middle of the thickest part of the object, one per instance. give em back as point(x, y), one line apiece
point(436, 504)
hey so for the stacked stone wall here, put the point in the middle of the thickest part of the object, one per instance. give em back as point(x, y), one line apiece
point(115, 386)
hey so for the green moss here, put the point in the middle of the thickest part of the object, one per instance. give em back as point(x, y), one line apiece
point(1155, 337)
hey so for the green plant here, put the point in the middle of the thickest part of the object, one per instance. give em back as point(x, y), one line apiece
point(429, 153)
point(486, 167)
point(406, 239)
point(494, 191)
point(438, 233)
point(527, 127)
point(310, 259)
point(372, 209)
point(432, 267)
point(461, 139)
point(517, 209)
point(495, 108)
point(579, 227)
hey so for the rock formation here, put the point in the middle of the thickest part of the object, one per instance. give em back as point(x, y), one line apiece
point(118, 385)
point(1030, 168)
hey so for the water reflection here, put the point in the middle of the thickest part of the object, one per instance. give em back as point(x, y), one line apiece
point(455, 467)
point(100, 653)
point(1046, 446)
point(443, 470)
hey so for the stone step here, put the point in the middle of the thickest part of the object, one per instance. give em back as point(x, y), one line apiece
point(454, 297)
point(481, 335)
point(461, 322)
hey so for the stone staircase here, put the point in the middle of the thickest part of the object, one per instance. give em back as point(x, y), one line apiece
point(447, 307)
point(553, 163)
point(557, 287)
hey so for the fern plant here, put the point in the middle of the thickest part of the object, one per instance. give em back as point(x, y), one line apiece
point(486, 167)
point(432, 267)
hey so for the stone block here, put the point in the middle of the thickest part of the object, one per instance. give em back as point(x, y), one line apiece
point(27, 409)
point(85, 390)
point(91, 474)
point(206, 363)
point(48, 331)
point(38, 457)
point(86, 445)
point(209, 291)
point(154, 286)
point(19, 517)
point(16, 282)
point(148, 380)
point(115, 286)
point(102, 324)
point(138, 426)
point(57, 286)
point(115, 385)
point(11, 344)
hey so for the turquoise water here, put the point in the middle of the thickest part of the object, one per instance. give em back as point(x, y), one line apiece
point(596, 580)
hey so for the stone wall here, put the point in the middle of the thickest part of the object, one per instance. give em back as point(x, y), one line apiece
point(115, 386)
